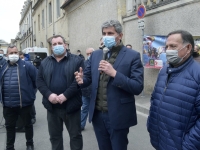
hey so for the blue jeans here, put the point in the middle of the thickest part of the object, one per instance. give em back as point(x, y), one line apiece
point(84, 111)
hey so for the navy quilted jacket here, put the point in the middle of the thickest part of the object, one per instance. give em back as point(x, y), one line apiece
point(25, 91)
point(174, 116)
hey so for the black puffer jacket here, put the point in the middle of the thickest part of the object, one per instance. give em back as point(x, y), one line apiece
point(72, 93)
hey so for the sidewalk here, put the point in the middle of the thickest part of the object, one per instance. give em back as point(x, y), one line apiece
point(143, 103)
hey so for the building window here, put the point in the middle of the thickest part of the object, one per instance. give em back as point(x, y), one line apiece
point(50, 13)
point(43, 18)
point(38, 22)
point(58, 8)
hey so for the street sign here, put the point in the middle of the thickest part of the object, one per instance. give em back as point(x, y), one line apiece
point(141, 11)
point(141, 24)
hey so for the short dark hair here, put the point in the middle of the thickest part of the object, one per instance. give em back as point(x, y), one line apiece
point(2, 50)
point(186, 37)
point(56, 36)
point(78, 50)
point(21, 53)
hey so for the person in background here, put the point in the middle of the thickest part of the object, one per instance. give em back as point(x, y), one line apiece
point(21, 55)
point(114, 80)
point(195, 54)
point(129, 46)
point(33, 112)
point(80, 55)
point(86, 93)
point(2, 59)
point(17, 96)
point(61, 95)
point(37, 61)
point(101, 43)
point(174, 117)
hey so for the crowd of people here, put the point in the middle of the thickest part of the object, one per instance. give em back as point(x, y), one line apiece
point(103, 85)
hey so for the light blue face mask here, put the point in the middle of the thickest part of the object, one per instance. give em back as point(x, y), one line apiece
point(109, 41)
point(58, 50)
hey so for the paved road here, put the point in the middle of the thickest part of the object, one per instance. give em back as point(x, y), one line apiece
point(138, 136)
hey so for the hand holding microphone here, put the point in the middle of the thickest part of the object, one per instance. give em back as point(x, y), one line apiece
point(105, 66)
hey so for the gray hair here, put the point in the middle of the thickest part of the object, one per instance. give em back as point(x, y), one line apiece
point(11, 46)
point(112, 23)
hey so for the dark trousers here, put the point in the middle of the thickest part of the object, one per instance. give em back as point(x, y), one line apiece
point(11, 116)
point(33, 112)
point(55, 119)
point(108, 138)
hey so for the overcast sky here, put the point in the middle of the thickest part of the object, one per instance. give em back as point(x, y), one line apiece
point(10, 18)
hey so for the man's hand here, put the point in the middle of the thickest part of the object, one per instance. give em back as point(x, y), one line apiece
point(107, 68)
point(79, 76)
point(53, 98)
point(61, 98)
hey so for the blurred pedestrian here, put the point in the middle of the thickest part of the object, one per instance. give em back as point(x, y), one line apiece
point(2, 59)
point(80, 55)
point(173, 121)
point(114, 81)
point(37, 61)
point(195, 54)
point(17, 95)
point(61, 95)
point(21, 55)
point(129, 46)
point(86, 93)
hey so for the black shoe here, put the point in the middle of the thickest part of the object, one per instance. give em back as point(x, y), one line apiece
point(33, 120)
point(30, 147)
point(82, 129)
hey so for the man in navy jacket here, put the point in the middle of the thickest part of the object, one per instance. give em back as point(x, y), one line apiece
point(174, 116)
point(115, 81)
point(18, 89)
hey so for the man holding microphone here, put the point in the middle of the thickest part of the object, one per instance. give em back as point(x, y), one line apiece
point(115, 81)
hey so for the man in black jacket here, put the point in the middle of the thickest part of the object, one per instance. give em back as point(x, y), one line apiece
point(61, 96)
point(80, 55)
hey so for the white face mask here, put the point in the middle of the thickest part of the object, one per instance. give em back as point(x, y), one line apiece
point(172, 56)
point(1, 56)
point(13, 58)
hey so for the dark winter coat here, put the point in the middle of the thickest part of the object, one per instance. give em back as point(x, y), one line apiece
point(174, 117)
point(72, 93)
point(25, 73)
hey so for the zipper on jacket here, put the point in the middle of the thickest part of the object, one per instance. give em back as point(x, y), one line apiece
point(19, 86)
point(166, 84)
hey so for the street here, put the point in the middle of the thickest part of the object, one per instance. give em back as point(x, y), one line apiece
point(138, 135)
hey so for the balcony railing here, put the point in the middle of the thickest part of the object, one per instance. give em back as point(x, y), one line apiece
point(132, 5)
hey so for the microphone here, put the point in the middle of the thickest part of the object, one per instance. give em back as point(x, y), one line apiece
point(105, 51)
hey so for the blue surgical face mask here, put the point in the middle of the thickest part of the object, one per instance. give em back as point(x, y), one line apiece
point(109, 41)
point(58, 50)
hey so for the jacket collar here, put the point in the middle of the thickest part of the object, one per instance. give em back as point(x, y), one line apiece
point(185, 65)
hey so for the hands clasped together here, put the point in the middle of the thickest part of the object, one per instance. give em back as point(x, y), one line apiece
point(54, 98)
point(104, 66)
